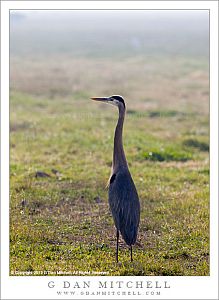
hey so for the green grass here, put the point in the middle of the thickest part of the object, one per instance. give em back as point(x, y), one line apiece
point(202, 146)
point(63, 222)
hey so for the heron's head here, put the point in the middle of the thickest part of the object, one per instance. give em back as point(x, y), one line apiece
point(114, 100)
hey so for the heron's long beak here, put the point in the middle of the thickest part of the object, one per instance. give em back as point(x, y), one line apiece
point(102, 99)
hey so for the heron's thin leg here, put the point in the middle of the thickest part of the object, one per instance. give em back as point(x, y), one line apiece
point(117, 246)
point(131, 253)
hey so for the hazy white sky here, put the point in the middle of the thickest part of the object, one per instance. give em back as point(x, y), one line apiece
point(110, 30)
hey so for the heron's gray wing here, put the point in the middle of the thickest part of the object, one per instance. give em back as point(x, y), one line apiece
point(124, 205)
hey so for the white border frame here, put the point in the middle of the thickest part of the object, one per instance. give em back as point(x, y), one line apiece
point(182, 287)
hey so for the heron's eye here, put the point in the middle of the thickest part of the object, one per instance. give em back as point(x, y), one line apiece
point(118, 99)
point(113, 177)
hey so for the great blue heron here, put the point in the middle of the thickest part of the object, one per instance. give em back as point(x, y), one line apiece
point(123, 196)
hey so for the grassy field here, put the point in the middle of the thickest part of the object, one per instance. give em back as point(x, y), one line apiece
point(61, 222)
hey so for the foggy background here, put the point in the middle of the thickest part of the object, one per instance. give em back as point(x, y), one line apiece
point(61, 53)
point(106, 33)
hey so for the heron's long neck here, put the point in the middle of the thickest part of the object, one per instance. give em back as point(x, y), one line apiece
point(119, 158)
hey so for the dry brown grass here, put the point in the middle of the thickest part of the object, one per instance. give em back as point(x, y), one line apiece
point(146, 83)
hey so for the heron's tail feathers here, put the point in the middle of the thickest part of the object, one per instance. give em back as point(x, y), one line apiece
point(129, 235)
